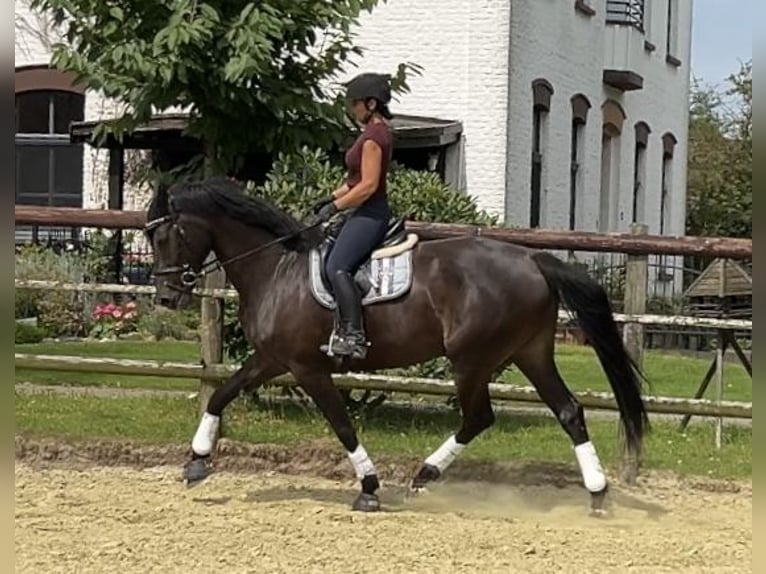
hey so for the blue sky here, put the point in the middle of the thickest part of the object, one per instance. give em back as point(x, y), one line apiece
point(722, 34)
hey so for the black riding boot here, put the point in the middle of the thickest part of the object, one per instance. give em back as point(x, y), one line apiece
point(349, 339)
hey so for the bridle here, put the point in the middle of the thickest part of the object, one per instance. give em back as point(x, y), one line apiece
point(188, 276)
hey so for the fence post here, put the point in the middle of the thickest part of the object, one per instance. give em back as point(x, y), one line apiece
point(636, 278)
point(211, 336)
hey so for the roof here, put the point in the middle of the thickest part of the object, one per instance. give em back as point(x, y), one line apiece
point(737, 281)
point(167, 130)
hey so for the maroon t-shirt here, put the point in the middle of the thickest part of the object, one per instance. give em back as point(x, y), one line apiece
point(380, 133)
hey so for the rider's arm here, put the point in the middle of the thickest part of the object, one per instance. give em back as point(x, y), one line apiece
point(372, 162)
point(341, 191)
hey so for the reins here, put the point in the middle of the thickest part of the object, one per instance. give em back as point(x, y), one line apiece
point(189, 277)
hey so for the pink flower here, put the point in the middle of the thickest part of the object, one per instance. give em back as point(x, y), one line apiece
point(130, 305)
point(117, 313)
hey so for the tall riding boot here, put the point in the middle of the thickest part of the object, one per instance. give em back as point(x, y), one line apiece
point(350, 339)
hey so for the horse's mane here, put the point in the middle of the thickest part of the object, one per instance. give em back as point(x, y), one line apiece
point(223, 196)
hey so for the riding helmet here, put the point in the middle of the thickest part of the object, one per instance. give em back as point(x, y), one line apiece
point(369, 85)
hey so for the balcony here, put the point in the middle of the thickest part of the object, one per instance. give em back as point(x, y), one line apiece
point(624, 44)
point(626, 13)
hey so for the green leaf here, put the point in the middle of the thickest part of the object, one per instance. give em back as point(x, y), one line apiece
point(117, 13)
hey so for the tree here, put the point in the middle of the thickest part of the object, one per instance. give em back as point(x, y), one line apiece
point(254, 76)
point(34, 27)
point(720, 189)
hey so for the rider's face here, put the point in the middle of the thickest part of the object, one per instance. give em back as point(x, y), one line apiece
point(358, 111)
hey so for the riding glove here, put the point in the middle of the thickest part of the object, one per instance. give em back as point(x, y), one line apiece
point(326, 212)
point(320, 204)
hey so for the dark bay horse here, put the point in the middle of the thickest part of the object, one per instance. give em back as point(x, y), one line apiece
point(484, 304)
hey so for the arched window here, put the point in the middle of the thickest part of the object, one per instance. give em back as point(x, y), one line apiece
point(580, 107)
point(542, 91)
point(613, 116)
point(49, 169)
point(669, 142)
point(642, 132)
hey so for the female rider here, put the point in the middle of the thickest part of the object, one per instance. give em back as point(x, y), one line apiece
point(367, 162)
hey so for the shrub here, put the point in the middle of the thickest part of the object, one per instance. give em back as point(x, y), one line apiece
point(164, 323)
point(26, 333)
point(297, 180)
point(60, 313)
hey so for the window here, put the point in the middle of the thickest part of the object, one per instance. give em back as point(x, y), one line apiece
point(625, 12)
point(48, 166)
point(611, 151)
point(542, 92)
point(666, 190)
point(580, 107)
point(671, 29)
point(49, 169)
point(639, 172)
point(668, 145)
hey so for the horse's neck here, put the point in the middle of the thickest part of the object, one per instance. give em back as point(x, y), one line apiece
point(233, 239)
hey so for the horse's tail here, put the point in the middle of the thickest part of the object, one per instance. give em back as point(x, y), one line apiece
point(589, 302)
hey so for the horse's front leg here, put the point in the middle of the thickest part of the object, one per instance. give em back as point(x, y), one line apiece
point(254, 372)
point(328, 399)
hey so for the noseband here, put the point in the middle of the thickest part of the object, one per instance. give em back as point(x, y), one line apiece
point(188, 275)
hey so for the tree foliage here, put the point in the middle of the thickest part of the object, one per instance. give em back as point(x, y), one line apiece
point(253, 75)
point(720, 176)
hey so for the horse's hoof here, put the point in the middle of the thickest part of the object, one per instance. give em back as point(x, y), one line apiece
point(366, 503)
point(427, 473)
point(197, 470)
point(598, 502)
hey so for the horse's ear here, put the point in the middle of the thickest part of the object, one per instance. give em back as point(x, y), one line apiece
point(159, 203)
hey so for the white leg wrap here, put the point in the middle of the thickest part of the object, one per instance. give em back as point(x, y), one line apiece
point(203, 440)
point(590, 466)
point(361, 461)
point(445, 454)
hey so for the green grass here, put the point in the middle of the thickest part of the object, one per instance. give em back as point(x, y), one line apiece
point(670, 374)
point(387, 430)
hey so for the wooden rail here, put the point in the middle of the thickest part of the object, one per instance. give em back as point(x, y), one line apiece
point(564, 316)
point(360, 381)
point(733, 248)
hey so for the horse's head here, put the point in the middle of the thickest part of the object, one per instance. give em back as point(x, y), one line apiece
point(180, 243)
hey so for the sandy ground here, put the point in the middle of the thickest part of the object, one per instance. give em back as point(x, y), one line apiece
point(74, 515)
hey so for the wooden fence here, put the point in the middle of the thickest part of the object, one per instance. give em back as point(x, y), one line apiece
point(638, 245)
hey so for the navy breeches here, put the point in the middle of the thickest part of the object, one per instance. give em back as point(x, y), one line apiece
point(357, 239)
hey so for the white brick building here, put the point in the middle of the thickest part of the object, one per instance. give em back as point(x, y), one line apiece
point(491, 65)
point(574, 112)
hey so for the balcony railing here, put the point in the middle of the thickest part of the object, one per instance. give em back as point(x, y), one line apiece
point(625, 12)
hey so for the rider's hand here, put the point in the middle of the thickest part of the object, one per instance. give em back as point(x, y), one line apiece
point(320, 204)
point(326, 212)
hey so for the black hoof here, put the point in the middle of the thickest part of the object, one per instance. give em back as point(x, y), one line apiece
point(428, 473)
point(197, 470)
point(366, 503)
point(598, 502)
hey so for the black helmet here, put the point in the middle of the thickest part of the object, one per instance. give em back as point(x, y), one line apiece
point(369, 85)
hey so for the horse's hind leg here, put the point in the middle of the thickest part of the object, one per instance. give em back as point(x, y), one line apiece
point(473, 396)
point(536, 361)
point(254, 372)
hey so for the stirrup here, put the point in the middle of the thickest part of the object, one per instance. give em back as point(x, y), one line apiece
point(346, 345)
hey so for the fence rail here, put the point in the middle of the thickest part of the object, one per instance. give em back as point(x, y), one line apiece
point(564, 316)
point(644, 244)
point(378, 383)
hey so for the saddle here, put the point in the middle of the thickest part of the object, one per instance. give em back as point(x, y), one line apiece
point(385, 275)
